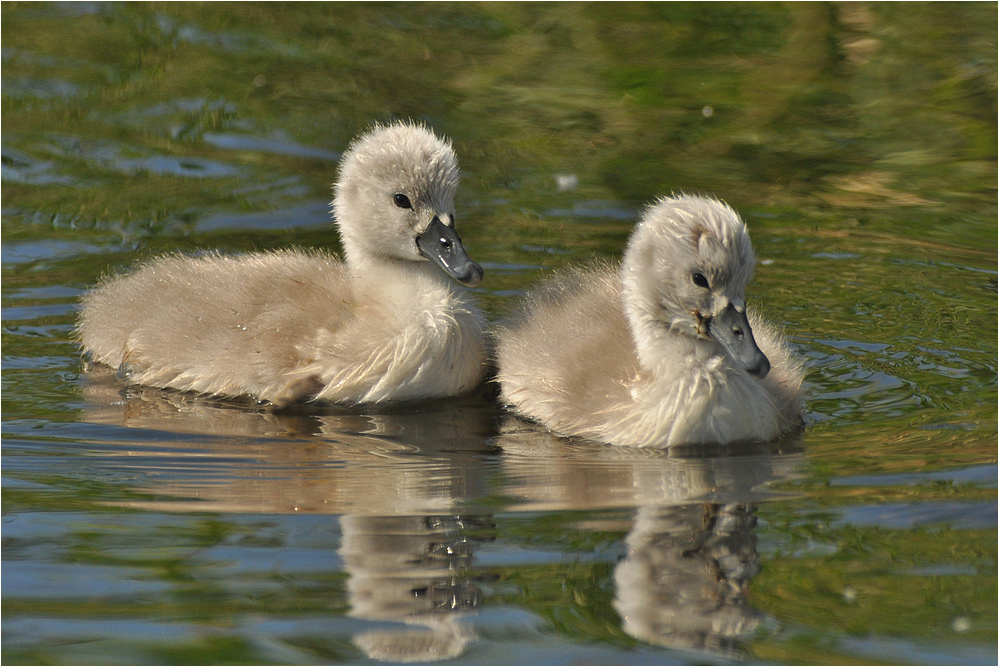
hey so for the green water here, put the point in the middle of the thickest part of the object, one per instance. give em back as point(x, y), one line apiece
point(857, 140)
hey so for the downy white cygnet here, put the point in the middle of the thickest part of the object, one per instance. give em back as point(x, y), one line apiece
point(660, 351)
point(386, 324)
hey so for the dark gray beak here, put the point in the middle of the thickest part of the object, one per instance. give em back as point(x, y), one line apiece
point(440, 244)
point(731, 329)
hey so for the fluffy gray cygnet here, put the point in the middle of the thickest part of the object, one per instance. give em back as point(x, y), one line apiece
point(660, 351)
point(386, 324)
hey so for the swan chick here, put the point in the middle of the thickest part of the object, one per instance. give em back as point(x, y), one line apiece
point(385, 324)
point(659, 351)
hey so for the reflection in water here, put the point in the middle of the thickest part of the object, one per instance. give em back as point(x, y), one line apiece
point(548, 472)
point(683, 583)
point(396, 478)
point(436, 425)
point(421, 459)
point(413, 569)
point(403, 481)
point(691, 551)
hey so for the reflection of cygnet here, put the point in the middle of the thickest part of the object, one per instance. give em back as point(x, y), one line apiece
point(683, 583)
point(446, 641)
point(290, 325)
point(659, 352)
point(413, 570)
point(421, 461)
point(549, 472)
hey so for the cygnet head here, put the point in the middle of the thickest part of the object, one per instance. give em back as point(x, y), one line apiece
point(395, 200)
point(685, 273)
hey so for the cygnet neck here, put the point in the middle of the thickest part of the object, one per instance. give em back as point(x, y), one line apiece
point(659, 343)
point(374, 273)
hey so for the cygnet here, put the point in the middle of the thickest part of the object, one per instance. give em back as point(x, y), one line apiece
point(659, 351)
point(385, 324)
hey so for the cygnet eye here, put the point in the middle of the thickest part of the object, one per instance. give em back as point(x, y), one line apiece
point(402, 201)
point(700, 280)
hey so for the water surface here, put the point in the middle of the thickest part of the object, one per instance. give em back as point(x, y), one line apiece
point(858, 141)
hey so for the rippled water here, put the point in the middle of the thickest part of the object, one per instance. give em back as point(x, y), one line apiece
point(859, 143)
